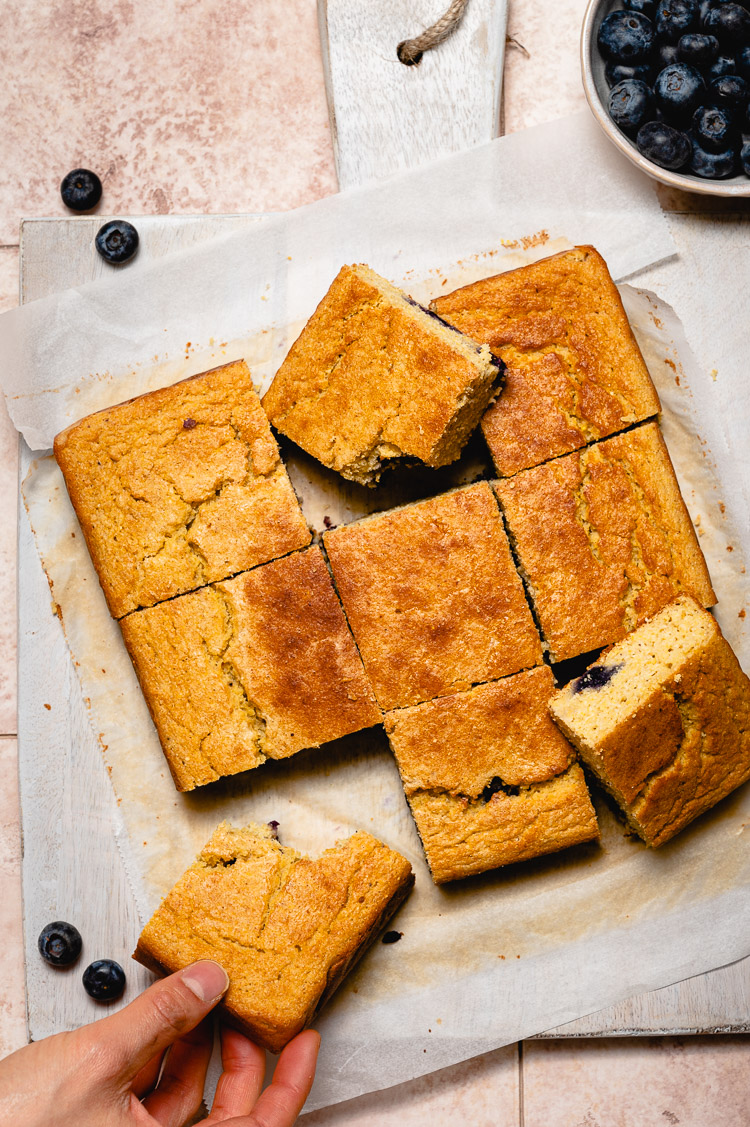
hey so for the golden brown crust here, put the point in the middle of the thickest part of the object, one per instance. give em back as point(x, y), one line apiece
point(460, 743)
point(488, 776)
point(285, 928)
point(373, 377)
point(179, 488)
point(604, 540)
point(574, 370)
point(258, 667)
point(432, 596)
point(462, 837)
point(669, 733)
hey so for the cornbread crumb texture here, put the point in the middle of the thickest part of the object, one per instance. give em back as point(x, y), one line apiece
point(489, 778)
point(260, 666)
point(603, 539)
point(373, 377)
point(574, 370)
point(180, 487)
point(663, 719)
point(432, 596)
point(286, 928)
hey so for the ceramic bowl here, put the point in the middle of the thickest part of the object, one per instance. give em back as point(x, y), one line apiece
point(597, 95)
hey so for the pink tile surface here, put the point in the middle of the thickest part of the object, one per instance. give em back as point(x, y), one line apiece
point(484, 1089)
point(190, 106)
point(649, 1082)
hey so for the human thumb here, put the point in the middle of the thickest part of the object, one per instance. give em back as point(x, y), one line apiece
point(161, 1015)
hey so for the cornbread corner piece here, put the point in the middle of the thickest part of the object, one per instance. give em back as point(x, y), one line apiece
point(179, 488)
point(489, 778)
point(373, 376)
point(663, 720)
point(603, 539)
point(258, 667)
point(574, 370)
point(432, 596)
point(287, 929)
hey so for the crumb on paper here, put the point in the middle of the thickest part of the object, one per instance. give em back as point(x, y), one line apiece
point(741, 614)
point(713, 374)
point(48, 707)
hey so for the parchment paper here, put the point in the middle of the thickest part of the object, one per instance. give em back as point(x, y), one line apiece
point(511, 953)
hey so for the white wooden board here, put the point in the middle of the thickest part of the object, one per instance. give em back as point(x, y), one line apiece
point(387, 117)
point(71, 866)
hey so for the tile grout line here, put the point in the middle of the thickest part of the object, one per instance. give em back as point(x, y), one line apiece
point(521, 1115)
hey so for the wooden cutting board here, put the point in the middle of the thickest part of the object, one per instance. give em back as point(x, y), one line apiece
point(72, 868)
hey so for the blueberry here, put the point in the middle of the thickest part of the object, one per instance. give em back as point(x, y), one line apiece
point(596, 677)
point(698, 50)
point(626, 37)
point(665, 146)
point(60, 943)
point(678, 90)
point(745, 158)
point(675, 18)
point(104, 979)
point(712, 166)
point(730, 23)
point(618, 72)
point(715, 128)
point(743, 63)
point(630, 104)
point(666, 54)
point(729, 90)
point(723, 64)
point(645, 7)
point(117, 241)
point(81, 190)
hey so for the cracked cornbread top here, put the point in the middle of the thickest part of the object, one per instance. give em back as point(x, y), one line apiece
point(432, 596)
point(286, 928)
point(179, 488)
point(373, 377)
point(574, 372)
point(603, 539)
point(254, 668)
point(489, 779)
point(663, 720)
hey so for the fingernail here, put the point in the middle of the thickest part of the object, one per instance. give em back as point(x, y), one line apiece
point(207, 980)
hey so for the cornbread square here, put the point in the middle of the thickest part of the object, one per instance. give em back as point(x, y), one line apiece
point(489, 778)
point(287, 929)
point(604, 540)
point(663, 719)
point(574, 370)
point(373, 377)
point(254, 668)
point(179, 487)
point(432, 596)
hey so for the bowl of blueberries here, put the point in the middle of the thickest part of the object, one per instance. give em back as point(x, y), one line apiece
point(669, 83)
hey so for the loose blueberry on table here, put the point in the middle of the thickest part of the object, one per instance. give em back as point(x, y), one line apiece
point(679, 72)
point(117, 241)
point(104, 980)
point(60, 943)
point(81, 190)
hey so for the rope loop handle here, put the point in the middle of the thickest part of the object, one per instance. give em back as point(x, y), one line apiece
point(410, 51)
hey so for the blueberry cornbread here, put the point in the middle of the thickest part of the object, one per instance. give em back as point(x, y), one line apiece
point(574, 370)
point(432, 596)
point(180, 487)
point(373, 377)
point(257, 667)
point(286, 928)
point(663, 719)
point(603, 539)
point(489, 778)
